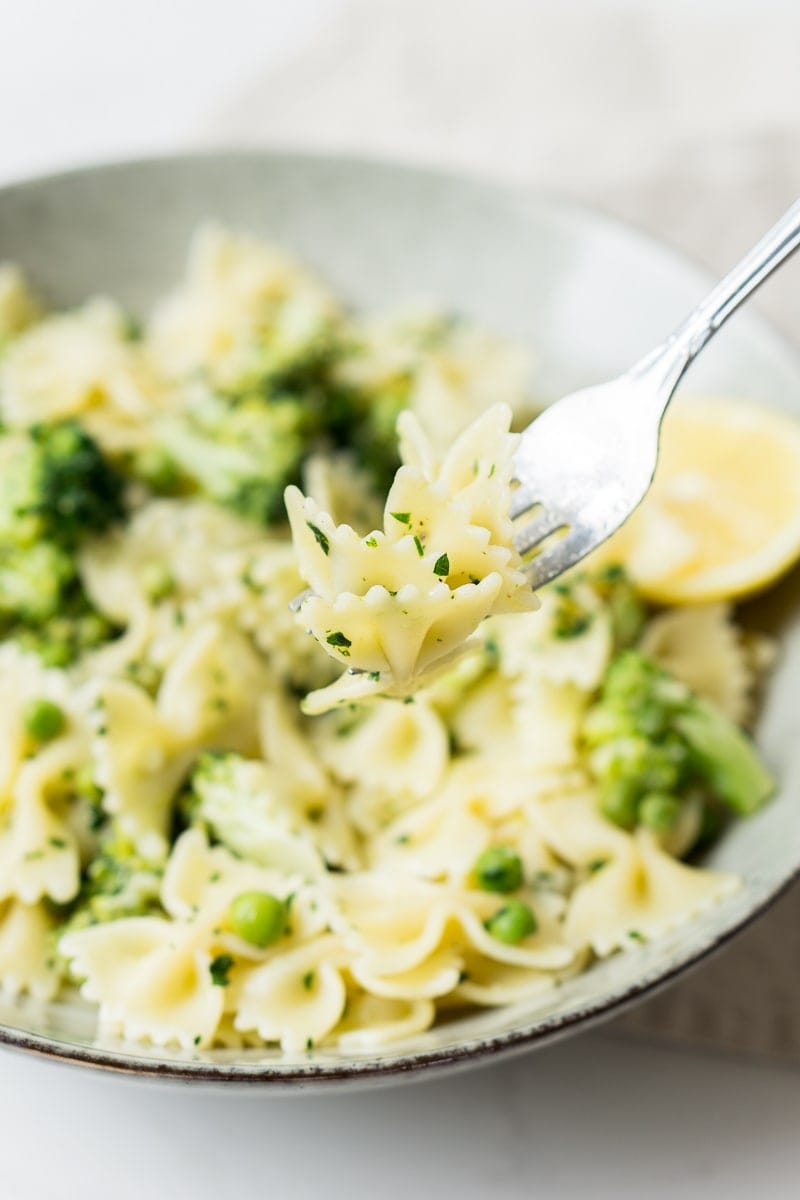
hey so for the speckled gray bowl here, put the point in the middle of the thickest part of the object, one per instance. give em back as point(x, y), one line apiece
point(588, 296)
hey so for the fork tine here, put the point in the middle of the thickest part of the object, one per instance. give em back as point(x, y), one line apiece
point(521, 501)
point(555, 559)
point(536, 530)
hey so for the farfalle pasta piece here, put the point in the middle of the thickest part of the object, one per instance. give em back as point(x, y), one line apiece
point(529, 720)
point(633, 891)
point(538, 646)
point(238, 295)
point(26, 954)
point(80, 364)
point(436, 976)
point(138, 763)
point(400, 603)
point(452, 371)
point(371, 1021)
point(151, 980)
point(297, 998)
point(153, 977)
point(161, 552)
point(395, 924)
point(211, 689)
point(38, 850)
point(393, 758)
point(489, 983)
point(640, 894)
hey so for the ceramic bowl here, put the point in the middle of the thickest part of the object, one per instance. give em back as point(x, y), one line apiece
point(587, 296)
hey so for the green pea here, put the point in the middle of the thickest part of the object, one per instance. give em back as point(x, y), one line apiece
point(513, 922)
point(498, 869)
point(619, 800)
point(258, 917)
point(43, 720)
point(659, 812)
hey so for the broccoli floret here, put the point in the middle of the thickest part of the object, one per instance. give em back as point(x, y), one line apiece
point(62, 639)
point(242, 455)
point(32, 581)
point(626, 607)
point(118, 882)
point(56, 489)
point(366, 424)
point(651, 738)
point(229, 796)
point(56, 486)
point(240, 802)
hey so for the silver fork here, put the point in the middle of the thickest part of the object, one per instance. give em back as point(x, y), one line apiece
point(587, 461)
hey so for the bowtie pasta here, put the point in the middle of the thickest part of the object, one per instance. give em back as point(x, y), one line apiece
point(224, 831)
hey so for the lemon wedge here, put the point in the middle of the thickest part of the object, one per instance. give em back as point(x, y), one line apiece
point(722, 518)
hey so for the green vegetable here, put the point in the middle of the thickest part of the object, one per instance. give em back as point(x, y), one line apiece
point(56, 485)
point(43, 720)
point(234, 799)
point(62, 639)
point(498, 869)
point(659, 812)
point(442, 566)
point(118, 882)
point(219, 969)
point(239, 454)
point(56, 490)
point(153, 466)
point(724, 757)
point(613, 585)
point(513, 922)
point(652, 742)
point(258, 918)
point(33, 580)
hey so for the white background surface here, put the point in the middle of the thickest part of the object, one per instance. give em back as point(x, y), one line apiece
point(579, 96)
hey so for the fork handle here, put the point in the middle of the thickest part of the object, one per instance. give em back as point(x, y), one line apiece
point(671, 359)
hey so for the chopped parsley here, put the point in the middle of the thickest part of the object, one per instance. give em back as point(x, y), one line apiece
point(371, 542)
point(322, 540)
point(635, 936)
point(57, 843)
point(219, 969)
point(374, 676)
point(442, 566)
point(337, 638)
point(403, 518)
point(418, 544)
point(308, 980)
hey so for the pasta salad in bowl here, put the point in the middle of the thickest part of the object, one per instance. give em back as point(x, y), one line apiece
point(413, 821)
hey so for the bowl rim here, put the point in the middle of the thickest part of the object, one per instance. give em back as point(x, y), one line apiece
point(476, 1050)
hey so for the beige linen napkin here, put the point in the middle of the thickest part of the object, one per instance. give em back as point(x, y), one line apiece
point(680, 118)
